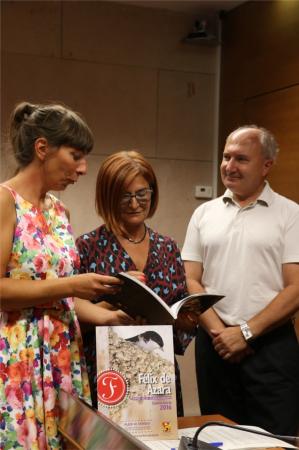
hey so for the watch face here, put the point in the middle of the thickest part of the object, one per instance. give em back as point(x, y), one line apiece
point(246, 331)
point(247, 334)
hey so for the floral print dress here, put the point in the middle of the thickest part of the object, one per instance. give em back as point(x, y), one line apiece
point(40, 347)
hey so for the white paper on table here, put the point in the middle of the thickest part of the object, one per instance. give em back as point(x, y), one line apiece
point(234, 439)
point(163, 445)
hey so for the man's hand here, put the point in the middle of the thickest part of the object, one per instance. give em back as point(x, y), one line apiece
point(230, 344)
point(238, 357)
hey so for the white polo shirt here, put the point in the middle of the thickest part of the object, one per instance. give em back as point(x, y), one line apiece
point(242, 250)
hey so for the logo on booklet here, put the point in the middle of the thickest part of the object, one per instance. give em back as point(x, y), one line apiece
point(166, 426)
point(112, 387)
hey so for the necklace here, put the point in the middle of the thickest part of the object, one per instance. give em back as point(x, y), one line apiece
point(138, 241)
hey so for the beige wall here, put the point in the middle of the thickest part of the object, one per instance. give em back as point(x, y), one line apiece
point(125, 69)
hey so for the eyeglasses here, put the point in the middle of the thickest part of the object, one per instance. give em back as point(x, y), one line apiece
point(142, 196)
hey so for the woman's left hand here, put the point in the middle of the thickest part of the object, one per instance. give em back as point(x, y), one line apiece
point(112, 316)
point(118, 316)
point(137, 274)
point(186, 321)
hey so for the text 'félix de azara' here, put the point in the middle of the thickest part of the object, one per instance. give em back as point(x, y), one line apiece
point(151, 380)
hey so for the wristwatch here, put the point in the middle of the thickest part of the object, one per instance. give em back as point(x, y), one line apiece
point(246, 331)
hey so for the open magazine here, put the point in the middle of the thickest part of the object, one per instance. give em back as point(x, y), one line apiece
point(137, 299)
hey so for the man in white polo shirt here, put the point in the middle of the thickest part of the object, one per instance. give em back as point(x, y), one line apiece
point(245, 245)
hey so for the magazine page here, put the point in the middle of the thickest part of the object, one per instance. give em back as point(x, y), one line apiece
point(136, 379)
point(197, 303)
point(137, 299)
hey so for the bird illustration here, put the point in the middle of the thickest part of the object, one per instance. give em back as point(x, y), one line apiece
point(149, 340)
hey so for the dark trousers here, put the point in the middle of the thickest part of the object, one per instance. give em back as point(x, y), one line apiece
point(262, 390)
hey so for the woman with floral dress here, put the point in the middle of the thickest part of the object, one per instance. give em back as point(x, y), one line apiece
point(127, 195)
point(40, 340)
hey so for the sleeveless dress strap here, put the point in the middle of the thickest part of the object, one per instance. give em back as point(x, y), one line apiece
point(12, 191)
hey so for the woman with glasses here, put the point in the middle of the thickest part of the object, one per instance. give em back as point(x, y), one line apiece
point(126, 196)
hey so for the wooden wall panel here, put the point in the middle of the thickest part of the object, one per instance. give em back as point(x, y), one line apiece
point(260, 79)
point(260, 46)
point(279, 111)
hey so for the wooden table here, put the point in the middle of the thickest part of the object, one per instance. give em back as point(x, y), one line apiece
point(197, 421)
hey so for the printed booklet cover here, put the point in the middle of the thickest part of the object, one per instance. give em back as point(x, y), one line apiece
point(136, 379)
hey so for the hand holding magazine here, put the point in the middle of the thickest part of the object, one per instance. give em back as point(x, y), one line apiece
point(137, 299)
